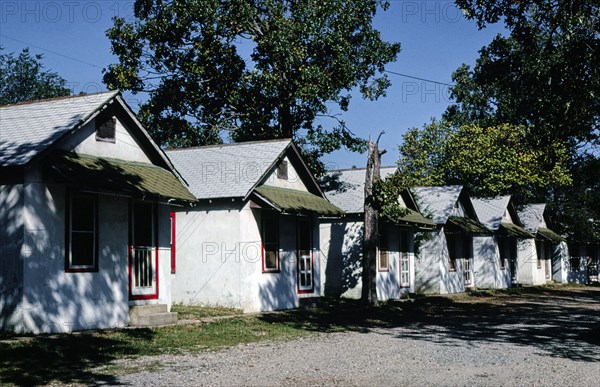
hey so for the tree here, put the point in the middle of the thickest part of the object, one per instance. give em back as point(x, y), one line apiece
point(23, 78)
point(488, 160)
point(371, 234)
point(259, 69)
point(544, 75)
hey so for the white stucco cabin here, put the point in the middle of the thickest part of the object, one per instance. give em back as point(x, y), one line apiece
point(583, 263)
point(252, 242)
point(444, 261)
point(499, 257)
point(342, 240)
point(550, 261)
point(84, 215)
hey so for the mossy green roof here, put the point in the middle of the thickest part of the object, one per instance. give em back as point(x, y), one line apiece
point(466, 225)
point(550, 235)
point(120, 176)
point(415, 218)
point(511, 229)
point(294, 201)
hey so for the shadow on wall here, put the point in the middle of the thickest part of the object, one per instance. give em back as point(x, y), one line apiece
point(487, 270)
point(277, 291)
point(344, 261)
point(54, 300)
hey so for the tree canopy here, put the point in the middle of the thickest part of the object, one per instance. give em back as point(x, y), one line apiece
point(23, 78)
point(488, 160)
point(258, 69)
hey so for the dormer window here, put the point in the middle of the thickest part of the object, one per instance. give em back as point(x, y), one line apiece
point(282, 170)
point(105, 130)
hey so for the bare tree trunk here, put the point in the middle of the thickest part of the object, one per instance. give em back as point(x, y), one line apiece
point(371, 234)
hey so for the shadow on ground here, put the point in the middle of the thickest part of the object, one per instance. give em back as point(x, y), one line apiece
point(66, 358)
point(560, 323)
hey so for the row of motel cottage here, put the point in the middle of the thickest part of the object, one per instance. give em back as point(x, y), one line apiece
point(101, 228)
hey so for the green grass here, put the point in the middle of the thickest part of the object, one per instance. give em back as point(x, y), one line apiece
point(200, 312)
point(88, 357)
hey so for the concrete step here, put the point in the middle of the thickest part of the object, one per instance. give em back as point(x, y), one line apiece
point(151, 315)
point(142, 310)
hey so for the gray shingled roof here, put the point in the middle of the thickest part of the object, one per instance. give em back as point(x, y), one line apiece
point(438, 200)
point(229, 170)
point(28, 128)
point(532, 216)
point(346, 188)
point(490, 211)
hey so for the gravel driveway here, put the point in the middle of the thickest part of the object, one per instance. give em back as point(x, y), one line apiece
point(550, 339)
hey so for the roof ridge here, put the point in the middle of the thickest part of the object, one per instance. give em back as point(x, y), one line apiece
point(229, 144)
point(35, 101)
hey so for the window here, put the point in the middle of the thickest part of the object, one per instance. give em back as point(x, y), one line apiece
point(384, 251)
point(270, 242)
point(173, 243)
point(404, 260)
point(575, 263)
point(504, 252)
point(106, 130)
point(452, 246)
point(305, 259)
point(282, 170)
point(539, 247)
point(82, 233)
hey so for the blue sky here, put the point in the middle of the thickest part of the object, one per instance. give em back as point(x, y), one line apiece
point(434, 35)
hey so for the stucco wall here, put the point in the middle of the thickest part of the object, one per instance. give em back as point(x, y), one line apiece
point(209, 256)
point(487, 271)
point(432, 267)
point(219, 260)
point(56, 301)
point(125, 147)
point(560, 262)
point(428, 263)
point(292, 182)
point(341, 270)
point(527, 271)
point(11, 264)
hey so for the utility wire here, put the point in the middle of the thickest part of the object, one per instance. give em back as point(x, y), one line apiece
point(52, 52)
point(420, 79)
point(99, 67)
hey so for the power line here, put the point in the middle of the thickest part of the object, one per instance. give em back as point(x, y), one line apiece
point(52, 52)
point(420, 79)
point(99, 67)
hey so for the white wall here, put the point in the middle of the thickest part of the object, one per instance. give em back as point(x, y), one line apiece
point(560, 262)
point(219, 259)
point(125, 147)
point(209, 252)
point(428, 263)
point(527, 271)
point(57, 301)
point(487, 271)
point(292, 182)
point(341, 264)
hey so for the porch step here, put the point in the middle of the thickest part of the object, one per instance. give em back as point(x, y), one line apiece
point(151, 315)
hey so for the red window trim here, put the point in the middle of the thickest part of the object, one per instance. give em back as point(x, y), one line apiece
point(68, 269)
point(173, 216)
point(130, 263)
point(262, 243)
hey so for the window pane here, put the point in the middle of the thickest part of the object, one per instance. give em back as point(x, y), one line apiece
point(142, 225)
point(82, 213)
point(270, 259)
point(304, 229)
point(82, 249)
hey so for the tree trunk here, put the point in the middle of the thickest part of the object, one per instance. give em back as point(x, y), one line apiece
point(371, 233)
